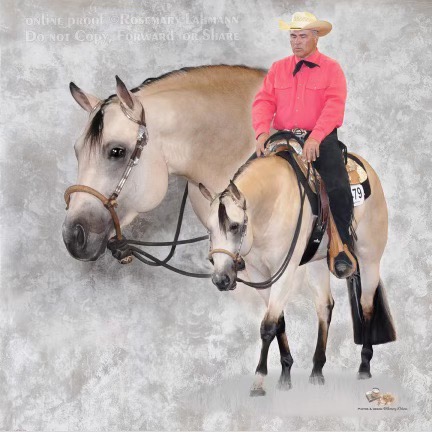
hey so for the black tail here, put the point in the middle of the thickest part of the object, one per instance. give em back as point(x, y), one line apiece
point(382, 326)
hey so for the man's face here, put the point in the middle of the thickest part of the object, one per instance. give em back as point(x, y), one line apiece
point(303, 42)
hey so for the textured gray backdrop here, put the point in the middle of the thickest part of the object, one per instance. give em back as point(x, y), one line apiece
point(99, 346)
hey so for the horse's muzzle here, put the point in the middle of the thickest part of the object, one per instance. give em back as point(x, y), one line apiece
point(81, 243)
point(224, 282)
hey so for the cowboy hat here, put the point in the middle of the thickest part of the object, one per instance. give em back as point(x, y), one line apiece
point(306, 21)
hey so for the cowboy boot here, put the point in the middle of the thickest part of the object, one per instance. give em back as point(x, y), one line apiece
point(345, 263)
point(340, 258)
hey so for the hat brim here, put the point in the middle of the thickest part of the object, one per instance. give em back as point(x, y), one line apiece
point(322, 27)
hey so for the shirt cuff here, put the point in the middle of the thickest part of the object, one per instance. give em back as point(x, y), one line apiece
point(260, 130)
point(317, 135)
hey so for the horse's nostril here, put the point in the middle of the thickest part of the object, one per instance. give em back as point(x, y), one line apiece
point(221, 281)
point(225, 281)
point(80, 236)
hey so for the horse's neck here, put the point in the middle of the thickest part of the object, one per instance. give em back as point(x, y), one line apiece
point(256, 186)
point(269, 191)
point(198, 141)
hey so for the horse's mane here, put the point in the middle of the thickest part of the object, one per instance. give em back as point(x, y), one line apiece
point(95, 130)
point(242, 169)
point(222, 213)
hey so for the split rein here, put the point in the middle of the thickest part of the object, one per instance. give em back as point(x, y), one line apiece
point(124, 250)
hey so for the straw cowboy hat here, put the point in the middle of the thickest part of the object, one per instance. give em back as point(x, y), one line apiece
point(306, 21)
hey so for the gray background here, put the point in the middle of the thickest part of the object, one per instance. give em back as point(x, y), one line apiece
point(100, 346)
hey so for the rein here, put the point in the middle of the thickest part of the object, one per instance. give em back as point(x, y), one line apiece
point(274, 278)
point(124, 250)
point(118, 245)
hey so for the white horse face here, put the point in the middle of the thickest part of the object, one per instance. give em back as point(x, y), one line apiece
point(103, 152)
point(228, 230)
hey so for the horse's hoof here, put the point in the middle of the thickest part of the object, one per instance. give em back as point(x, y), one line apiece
point(317, 379)
point(257, 391)
point(284, 384)
point(363, 375)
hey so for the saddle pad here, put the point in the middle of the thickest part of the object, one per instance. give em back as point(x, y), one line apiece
point(359, 181)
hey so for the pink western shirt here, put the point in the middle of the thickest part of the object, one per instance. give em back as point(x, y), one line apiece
point(313, 100)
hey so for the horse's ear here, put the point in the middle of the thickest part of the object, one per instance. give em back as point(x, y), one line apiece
point(85, 100)
point(234, 190)
point(206, 193)
point(238, 196)
point(125, 96)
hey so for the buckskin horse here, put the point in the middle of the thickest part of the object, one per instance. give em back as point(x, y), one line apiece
point(197, 125)
point(255, 219)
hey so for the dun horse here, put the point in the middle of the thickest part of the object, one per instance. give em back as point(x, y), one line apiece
point(199, 127)
point(255, 218)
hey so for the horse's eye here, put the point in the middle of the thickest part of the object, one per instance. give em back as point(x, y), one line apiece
point(117, 153)
point(234, 227)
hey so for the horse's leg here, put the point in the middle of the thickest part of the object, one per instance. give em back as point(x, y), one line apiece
point(285, 355)
point(369, 274)
point(319, 283)
point(284, 350)
point(268, 332)
point(377, 323)
point(261, 371)
point(272, 325)
point(269, 329)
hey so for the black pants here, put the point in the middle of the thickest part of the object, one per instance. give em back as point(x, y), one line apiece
point(331, 167)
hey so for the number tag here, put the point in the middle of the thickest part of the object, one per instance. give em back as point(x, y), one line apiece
point(357, 194)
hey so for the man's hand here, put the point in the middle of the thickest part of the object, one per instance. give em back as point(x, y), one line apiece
point(310, 150)
point(260, 143)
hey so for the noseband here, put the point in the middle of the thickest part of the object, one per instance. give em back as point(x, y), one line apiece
point(111, 202)
point(239, 263)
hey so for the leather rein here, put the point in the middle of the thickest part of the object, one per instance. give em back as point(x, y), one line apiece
point(239, 263)
point(124, 249)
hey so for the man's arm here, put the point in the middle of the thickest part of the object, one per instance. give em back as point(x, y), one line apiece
point(264, 105)
point(331, 116)
point(334, 106)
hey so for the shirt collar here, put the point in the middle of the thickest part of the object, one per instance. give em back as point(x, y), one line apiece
point(314, 58)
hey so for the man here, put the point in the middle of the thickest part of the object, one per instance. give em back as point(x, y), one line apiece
point(307, 90)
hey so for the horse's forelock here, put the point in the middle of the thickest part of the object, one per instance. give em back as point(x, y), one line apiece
point(223, 218)
point(94, 133)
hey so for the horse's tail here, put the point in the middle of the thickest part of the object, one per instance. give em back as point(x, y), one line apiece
point(382, 326)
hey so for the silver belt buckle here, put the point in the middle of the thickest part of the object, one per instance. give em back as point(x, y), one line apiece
point(299, 133)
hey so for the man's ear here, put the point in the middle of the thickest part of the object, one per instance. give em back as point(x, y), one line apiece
point(126, 97)
point(85, 100)
point(206, 193)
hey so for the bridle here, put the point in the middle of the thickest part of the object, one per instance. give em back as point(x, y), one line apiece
point(124, 250)
point(239, 263)
point(110, 203)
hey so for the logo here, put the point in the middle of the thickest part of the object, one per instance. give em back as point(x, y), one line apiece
point(375, 395)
